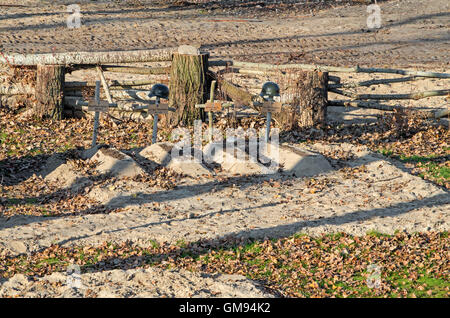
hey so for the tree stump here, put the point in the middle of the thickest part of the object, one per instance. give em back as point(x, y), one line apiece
point(306, 93)
point(188, 86)
point(49, 91)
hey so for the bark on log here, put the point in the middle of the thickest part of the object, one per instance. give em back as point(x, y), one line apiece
point(309, 94)
point(238, 95)
point(188, 86)
point(49, 91)
point(156, 55)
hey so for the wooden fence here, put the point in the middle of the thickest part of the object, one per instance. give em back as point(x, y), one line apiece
point(130, 94)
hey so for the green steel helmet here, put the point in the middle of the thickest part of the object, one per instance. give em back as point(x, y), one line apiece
point(160, 90)
point(270, 89)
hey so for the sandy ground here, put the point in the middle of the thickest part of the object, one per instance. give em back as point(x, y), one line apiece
point(414, 32)
point(151, 282)
point(381, 196)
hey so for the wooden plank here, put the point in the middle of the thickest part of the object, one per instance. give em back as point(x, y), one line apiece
point(213, 106)
point(272, 107)
point(101, 106)
point(162, 108)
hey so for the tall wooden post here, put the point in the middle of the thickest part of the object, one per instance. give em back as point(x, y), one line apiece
point(313, 97)
point(306, 94)
point(49, 91)
point(187, 87)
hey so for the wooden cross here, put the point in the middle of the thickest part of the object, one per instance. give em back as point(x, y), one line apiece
point(97, 106)
point(270, 107)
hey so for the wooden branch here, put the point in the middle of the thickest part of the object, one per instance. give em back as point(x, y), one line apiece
point(17, 89)
point(155, 55)
point(137, 94)
point(355, 69)
point(136, 70)
point(335, 79)
point(247, 71)
point(441, 113)
point(375, 82)
point(374, 105)
point(115, 84)
point(415, 96)
point(341, 92)
point(362, 104)
point(403, 72)
point(105, 85)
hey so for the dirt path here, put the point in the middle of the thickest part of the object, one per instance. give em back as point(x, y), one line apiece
point(414, 32)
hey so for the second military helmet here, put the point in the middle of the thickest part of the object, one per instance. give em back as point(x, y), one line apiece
point(160, 90)
point(270, 89)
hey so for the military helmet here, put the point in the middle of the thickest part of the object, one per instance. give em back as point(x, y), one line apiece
point(160, 90)
point(270, 89)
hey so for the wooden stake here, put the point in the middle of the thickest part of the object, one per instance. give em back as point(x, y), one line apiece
point(188, 87)
point(49, 91)
point(210, 114)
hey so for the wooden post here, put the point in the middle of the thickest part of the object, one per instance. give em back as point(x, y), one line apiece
point(49, 91)
point(306, 92)
point(188, 86)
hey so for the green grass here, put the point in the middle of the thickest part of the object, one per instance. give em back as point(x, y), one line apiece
point(415, 158)
point(440, 173)
point(386, 152)
point(377, 234)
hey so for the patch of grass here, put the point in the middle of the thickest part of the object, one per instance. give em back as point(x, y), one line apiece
point(377, 234)
point(3, 137)
point(417, 159)
point(434, 171)
point(386, 152)
point(181, 243)
point(297, 267)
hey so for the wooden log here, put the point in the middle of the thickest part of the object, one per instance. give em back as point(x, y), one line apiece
point(312, 97)
point(49, 91)
point(238, 95)
point(85, 58)
point(188, 87)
